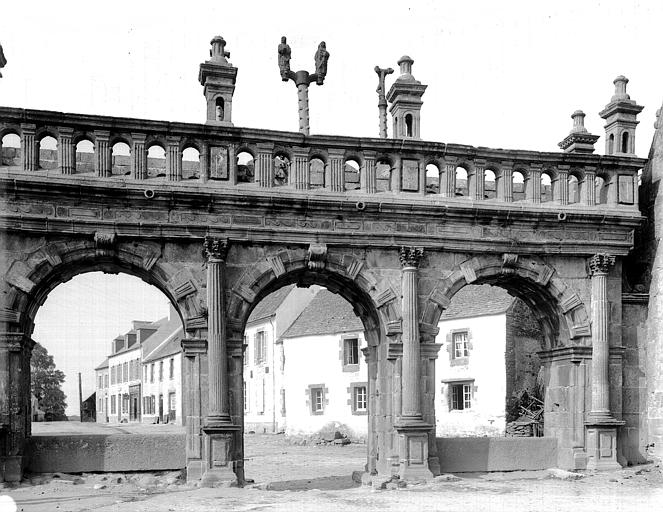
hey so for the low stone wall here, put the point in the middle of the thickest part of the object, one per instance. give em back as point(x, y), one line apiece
point(99, 452)
point(473, 454)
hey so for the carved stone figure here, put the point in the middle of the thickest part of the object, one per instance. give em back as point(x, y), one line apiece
point(3, 60)
point(284, 59)
point(321, 58)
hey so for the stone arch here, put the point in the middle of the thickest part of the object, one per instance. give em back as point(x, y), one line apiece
point(56, 262)
point(379, 309)
point(560, 311)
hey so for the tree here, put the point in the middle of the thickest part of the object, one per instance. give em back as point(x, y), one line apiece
point(46, 384)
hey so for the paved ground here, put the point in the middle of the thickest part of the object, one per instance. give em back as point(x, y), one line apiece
point(318, 478)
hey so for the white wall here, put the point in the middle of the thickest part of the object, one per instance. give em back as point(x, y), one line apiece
point(313, 360)
point(102, 394)
point(486, 365)
point(120, 388)
point(263, 411)
point(163, 387)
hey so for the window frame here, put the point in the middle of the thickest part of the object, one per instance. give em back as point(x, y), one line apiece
point(312, 401)
point(466, 388)
point(354, 389)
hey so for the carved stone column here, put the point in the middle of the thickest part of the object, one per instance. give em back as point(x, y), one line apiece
point(370, 354)
point(600, 424)
point(29, 148)
point(265, 165)
point(412, 430)
point(15, 353)
point(66, 151)
point(219, 429)
point(477, 180)
point(367, 175)
point(505, 188)
point(301, 168)
point(562, 184)
point(103, 156)
point(203, 163)
point(139, 156)
point(533, 184)
point(173, 160)
point(193, 349)
point(589, 187)
point(336, 170)
point(448, 185)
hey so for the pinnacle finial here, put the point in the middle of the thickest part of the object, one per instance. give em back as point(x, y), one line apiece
point(620, 89)
point(578, 122)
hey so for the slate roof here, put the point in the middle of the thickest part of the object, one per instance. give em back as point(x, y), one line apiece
point(268, 306)
point(168, 347)
point(166, 328)
point(328, 313)
point(478, 300)
point(103, 365)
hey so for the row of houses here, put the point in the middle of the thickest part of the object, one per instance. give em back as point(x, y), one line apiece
point(304, 368)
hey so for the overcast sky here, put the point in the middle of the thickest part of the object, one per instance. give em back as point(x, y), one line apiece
point(499, 74)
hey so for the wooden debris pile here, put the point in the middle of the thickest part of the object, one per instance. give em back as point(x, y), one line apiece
point(530, 421)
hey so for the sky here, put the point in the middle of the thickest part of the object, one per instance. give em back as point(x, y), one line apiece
point(502, 74)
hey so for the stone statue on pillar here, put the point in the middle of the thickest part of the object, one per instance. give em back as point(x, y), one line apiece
point(382, 100)
point(302, 78)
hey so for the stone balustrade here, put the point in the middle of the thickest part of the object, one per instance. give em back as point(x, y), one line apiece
point(240, 157)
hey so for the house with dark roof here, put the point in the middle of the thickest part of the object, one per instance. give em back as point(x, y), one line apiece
point(264, 405)
point(489, 341)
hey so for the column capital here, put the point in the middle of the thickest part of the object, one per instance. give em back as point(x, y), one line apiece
point(215, 249)
point(411, 256)
point(601, 263)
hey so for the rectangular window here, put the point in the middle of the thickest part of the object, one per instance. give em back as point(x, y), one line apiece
point(259, 347)
point(152, 372)
point(171, 401)
point(460, 345)
point(317, 400)
point(101, 382)
point(105, 380)
point(112, 372)
point(160, 371)
point(246, 350)
point(359, 398)
point(350, 351)
point(145, 373)
point(171, 371)
point(125, 372)
point(461, 397)
point(112, 405)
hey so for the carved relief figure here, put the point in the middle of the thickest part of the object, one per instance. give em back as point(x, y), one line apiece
point(284, 59)
point(281, 167)
point(321, 58)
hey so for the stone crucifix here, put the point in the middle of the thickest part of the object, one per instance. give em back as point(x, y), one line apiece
point(302, 78)
point(382, 101)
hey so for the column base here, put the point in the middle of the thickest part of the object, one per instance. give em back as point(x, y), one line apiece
point(579, 458)
point(218, 464)
point(11, 467)
point(601, 444)
point(413, 449)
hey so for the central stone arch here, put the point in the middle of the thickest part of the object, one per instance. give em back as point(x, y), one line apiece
point(374, 302)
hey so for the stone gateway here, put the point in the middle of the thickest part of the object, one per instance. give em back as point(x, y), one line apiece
point(398, 246)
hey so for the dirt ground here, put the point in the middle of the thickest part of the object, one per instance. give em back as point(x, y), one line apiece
point(318, 478)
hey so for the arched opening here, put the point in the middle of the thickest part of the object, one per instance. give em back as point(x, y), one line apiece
point(488, 365)
point(190, 163)
point(489, 184)
point(48, 153)
point(611, 144)
point(518, 186)
point(351, 169)
point(219, 111)
point(316, 173)
point(10, 150)
point(281, 169)
point(245, 167)
point(601, 189)
point(383, 176)
point(116, 340)
point(121, 159)
point(432, 179)
point(461, 181)
point(625, 143)
point(546, 187)
point(574, 189)
point(306, 371)
point(408, 125)
point(156, 161)
point(85, 156)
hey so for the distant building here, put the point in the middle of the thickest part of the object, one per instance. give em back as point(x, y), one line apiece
point(126, 385)
point(89, 408)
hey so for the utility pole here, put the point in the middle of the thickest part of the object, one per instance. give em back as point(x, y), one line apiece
point(80, 397)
